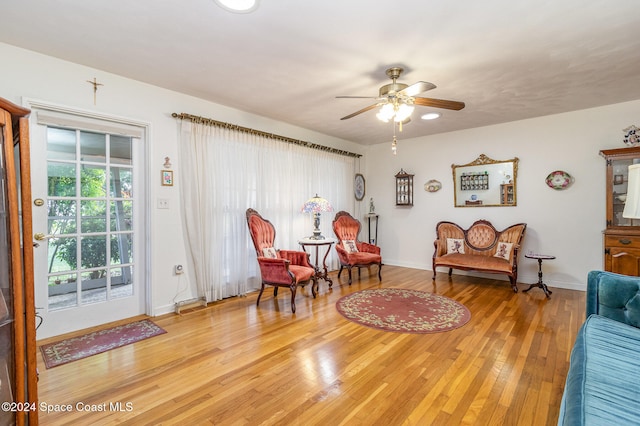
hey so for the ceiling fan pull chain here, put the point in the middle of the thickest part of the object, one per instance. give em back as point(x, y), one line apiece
point(394, 144)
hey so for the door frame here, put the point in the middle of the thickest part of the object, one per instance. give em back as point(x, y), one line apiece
point(35, 105)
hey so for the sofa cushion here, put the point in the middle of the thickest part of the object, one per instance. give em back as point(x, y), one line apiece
point(503, 250)
point(474, 261)
point(270, 252)
point(350, 246)
point(603, 384)
point(614, 296)
point(455, 245)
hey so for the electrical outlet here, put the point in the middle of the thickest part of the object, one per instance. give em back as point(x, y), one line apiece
point(163, 203)
point(178, 269)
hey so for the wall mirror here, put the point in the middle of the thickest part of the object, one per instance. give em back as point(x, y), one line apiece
point(485, 183)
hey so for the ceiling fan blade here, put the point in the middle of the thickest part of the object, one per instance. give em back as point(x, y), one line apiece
point(355, 97)
point(369, 108)
point(439, 103)
point(419, 87)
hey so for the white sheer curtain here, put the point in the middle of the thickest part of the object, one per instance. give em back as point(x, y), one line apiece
point(225, 171)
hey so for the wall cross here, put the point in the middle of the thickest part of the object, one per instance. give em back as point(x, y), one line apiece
point(95, 88)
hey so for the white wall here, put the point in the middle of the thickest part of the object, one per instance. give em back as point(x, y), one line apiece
point(564, 223)
point(26, 74)
point(567, 224)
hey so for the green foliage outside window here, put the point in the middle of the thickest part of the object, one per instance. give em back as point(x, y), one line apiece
point(94, 216)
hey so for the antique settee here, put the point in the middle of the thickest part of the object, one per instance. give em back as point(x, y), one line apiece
point(479, 248)
point(603, 383)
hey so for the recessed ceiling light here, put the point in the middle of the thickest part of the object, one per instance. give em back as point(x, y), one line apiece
point(430, 116)
point(238, 6)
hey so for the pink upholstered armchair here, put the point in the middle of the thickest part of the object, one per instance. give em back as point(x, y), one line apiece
point(351, 252)
point(279, 268)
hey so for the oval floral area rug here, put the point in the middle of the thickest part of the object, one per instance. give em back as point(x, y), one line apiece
point(402, 310)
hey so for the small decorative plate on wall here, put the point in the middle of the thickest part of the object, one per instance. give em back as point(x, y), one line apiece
point(559, 180)
point(432, 186)
point(631, 136)
point(359, 187)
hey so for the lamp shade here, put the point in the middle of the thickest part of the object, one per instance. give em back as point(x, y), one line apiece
point(632, 203)
point(396, 111)
point(316, 205)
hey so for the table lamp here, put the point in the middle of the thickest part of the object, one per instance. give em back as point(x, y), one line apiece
point(316, 205)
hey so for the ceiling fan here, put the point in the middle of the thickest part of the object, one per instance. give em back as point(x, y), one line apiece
point(397, 100)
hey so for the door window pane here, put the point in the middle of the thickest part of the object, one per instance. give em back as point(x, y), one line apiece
point(121, 182)
point(61, 144)
point(63, 254)
point(93, 252)
point(93, 216)
point(93, 181)
point(61, 179)
point(62, 217)
point(121, 215)
point(93, 147)
point(121, 280)
point(121, 150)
point(63, 291)
point(121, 249)
point(94, 286)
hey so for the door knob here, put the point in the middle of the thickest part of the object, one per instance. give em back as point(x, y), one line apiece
point(39, 236)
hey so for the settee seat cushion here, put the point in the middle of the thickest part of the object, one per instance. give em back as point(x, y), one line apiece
point(474, 262)
point(603, 383)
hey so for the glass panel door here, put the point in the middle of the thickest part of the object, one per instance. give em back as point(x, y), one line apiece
point(90, 203)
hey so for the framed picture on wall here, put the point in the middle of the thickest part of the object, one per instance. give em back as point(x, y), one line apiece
point(167, 177)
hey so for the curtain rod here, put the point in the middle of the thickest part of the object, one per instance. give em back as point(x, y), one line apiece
point(212, 122)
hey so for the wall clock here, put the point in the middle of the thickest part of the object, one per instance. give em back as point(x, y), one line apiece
point(358, 187)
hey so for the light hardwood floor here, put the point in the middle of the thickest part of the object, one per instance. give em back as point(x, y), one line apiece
point(233, 363)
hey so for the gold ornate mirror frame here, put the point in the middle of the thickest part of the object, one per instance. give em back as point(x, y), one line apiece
point(485, 183)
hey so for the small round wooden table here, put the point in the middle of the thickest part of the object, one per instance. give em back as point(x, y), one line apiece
point(540, 258)
point(321, 271)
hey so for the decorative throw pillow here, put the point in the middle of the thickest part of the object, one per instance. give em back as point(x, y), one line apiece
point(455, 245)
point(503, 251)
point(350, 246)
point(270, 252)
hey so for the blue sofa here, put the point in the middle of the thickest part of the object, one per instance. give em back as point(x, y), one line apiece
point(603, 383)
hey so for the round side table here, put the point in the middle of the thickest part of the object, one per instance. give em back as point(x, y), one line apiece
point(321, 271)
point(542, 285)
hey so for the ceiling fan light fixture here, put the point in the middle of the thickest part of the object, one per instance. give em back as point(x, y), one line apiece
point(386, 113)
point(238, 6)
point(396, 112)
point(403, 112)
point(431, 116)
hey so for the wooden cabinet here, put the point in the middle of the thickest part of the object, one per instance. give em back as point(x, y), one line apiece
point(622, 235)
point(404, 188)
point(18, 374)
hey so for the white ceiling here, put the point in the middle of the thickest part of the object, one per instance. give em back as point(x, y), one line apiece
point(507, 60)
